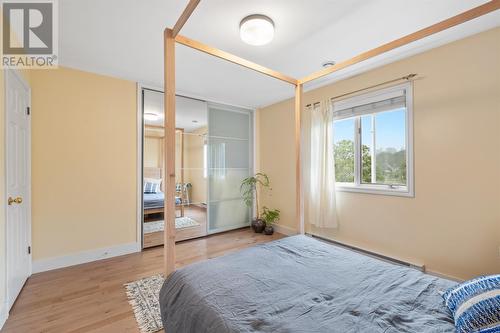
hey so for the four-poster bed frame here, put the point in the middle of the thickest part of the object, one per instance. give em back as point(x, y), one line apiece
point(171, 37)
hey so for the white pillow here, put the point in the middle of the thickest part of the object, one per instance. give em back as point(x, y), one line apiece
point(152, 180)
point(152, 185)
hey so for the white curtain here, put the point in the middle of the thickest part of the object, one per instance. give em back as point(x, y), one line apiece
point(320, 170)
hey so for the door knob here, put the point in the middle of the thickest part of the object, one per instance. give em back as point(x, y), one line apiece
point(17, 200)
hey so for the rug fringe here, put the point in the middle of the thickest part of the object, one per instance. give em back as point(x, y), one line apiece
point(143, 316)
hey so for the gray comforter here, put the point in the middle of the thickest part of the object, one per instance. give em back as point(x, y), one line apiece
point(157, 200)
point(154, 200)
point(299, 284)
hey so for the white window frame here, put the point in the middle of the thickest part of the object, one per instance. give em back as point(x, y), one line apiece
point(357, 186)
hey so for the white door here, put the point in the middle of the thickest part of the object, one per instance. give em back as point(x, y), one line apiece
point(18, 181)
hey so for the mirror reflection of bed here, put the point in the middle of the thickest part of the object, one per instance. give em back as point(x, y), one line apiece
point(191, 188)
point(191, 216)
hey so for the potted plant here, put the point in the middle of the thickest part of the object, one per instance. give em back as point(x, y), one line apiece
point(270, 216)
point(250, 188)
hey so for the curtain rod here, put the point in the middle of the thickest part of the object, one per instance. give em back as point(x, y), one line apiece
point(406, 77)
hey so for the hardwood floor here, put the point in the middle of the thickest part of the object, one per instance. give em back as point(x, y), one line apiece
point(199, 214)
point(91, 297)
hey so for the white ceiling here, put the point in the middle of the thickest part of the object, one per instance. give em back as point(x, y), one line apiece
point(191, 114)
point(123, 38)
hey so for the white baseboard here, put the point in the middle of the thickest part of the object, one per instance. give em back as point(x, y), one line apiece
point(283, 229)
point(83, 257)
point(4, 314)
point(444, 276)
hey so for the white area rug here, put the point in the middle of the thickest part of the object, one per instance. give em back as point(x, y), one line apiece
point(180, 222)
point(143, 296)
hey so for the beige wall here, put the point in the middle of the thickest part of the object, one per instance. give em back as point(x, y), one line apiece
point(83, 162)
point(153, 152)
point(276, 158)
point(453, 223)
point(179, 146)
point(193, 163)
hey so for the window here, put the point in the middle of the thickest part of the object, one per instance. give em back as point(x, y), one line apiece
point(344, 150)
point(373, 142)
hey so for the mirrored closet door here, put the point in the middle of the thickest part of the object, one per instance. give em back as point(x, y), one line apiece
point(213, 154)
point(191, 180)
point(230, 160)
point(190, 158)
point(153, 168)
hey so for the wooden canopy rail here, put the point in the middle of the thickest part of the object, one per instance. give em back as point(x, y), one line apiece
point(234, 59)
point(171, 36)
point(191, 6)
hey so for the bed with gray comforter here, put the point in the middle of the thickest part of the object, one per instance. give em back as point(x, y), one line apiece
point(154, 200)
point(299, 284)
point(157, 200)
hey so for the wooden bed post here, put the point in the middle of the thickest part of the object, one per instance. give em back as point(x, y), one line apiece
point(299, 201)
point(191, 6)
point(169, 104)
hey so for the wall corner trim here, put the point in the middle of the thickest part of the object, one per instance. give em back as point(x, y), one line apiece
point(283, 229)
point(4, 314)
point(83, 257)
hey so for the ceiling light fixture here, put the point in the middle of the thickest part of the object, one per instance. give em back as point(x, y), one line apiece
point(257, 30)
point(151, 116)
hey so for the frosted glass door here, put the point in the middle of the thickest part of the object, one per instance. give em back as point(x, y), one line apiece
point(230, 160)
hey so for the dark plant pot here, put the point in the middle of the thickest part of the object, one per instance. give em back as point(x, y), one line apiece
point(258, 225)
point(269, 230)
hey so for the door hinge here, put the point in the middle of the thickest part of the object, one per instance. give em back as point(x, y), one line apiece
point(28, 111)
point(29, 249)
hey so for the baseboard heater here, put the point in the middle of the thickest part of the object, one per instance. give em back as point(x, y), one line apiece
point(419, 267)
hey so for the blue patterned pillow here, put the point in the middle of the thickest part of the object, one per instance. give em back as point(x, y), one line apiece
point(475, 305)
point(151, 187)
